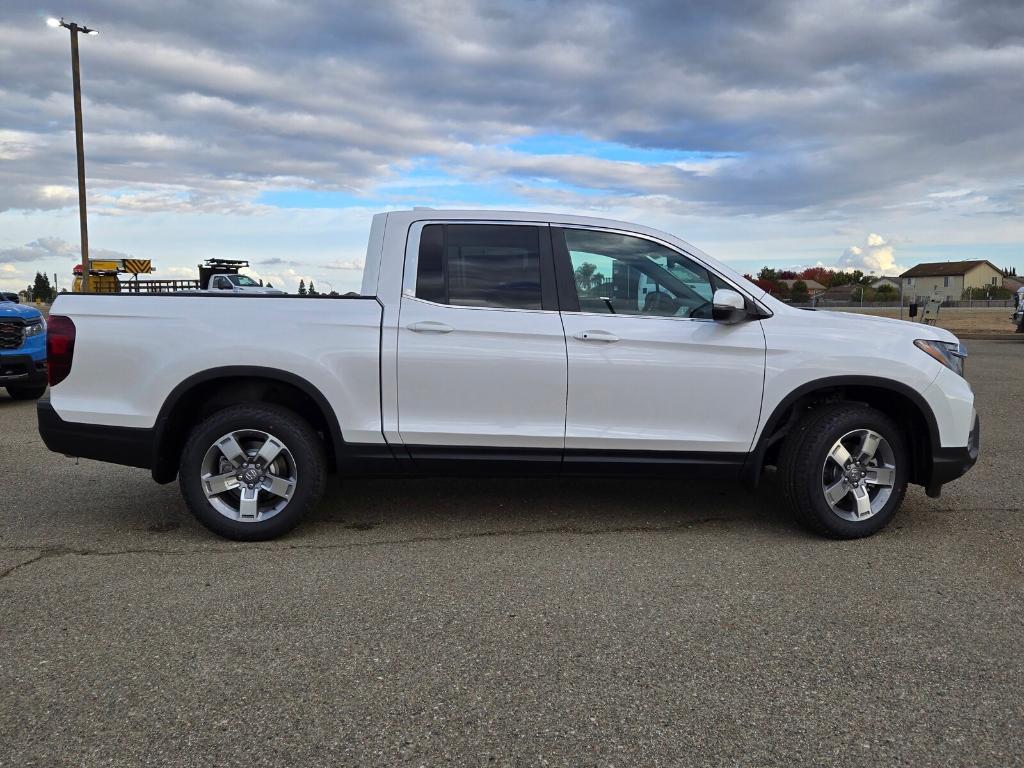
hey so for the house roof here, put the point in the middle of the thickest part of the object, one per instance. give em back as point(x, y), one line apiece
point(1012, 282)
point(945, 268)
point(812, 285)
point(841, 290)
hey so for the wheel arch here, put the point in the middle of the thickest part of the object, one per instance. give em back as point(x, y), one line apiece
point(207, 392)
point(900, 402)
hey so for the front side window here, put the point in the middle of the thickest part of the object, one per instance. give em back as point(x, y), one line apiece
point(626, 275)
point(480, 265)
point(242, 280)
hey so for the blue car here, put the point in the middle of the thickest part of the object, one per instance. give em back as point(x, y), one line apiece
point(22, 350)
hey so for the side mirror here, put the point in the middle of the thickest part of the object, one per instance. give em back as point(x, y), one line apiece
point(728, 306)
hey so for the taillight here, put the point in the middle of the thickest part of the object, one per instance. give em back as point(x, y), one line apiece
point(60, 347)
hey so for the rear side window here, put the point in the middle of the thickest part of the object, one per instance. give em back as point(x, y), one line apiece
point(480, 265)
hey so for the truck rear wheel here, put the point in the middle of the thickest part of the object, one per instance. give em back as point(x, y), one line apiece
point(844, 470)
point(252, 472)
point(26, 392)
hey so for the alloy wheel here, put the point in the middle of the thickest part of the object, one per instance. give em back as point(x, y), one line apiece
point(858, 475)
point(248, 475)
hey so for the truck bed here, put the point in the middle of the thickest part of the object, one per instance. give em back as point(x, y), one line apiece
point(131, 350)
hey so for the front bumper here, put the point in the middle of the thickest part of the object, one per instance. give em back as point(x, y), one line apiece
point(21, 369)
point(950, 463)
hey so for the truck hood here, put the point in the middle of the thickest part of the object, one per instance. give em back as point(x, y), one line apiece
point(9, 309)
point(853, 322)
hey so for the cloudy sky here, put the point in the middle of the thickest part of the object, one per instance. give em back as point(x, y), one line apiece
point(859, 134)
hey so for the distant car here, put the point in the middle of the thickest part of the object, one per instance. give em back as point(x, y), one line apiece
point(11, 297)
point(240, 284)
point(22, 350)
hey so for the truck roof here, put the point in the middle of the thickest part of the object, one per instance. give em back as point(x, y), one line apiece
point(420, 213)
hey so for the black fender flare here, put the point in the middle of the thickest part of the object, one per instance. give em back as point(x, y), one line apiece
point(770, 434)
point(164, 467)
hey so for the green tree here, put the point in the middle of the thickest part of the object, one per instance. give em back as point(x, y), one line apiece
point(855, 277)
point(41, 288)
point(302, 287)
point(798, 293)
point(987, 292)
point(312, 289)
point(885, 291)
point(585, 276)
point(768, 274)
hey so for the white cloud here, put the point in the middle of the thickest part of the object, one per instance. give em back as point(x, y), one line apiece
point(349, 264)
point(44, 248)
point(189, 120)
point(876, 256)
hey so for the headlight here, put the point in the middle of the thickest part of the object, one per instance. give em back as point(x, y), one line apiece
point(34, 329)
point(950, 355)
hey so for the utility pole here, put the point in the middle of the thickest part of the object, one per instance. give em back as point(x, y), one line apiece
point(79, 141)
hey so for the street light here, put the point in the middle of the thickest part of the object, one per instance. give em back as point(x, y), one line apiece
point(74, 29)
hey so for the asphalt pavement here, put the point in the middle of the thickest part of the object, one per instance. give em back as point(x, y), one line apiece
point(599, 622)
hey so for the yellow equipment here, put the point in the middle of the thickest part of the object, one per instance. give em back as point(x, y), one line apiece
point(103, 273)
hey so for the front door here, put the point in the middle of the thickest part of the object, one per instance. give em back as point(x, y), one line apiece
point(649, 370)
point(481, 353)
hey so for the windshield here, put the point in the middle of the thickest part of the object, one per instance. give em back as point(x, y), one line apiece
point(242, 280)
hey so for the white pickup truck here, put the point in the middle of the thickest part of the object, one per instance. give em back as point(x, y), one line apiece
point(487, 341)
point(241, 284)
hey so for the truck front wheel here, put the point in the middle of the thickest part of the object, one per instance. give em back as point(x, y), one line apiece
point(843, 470)
point(252, 472)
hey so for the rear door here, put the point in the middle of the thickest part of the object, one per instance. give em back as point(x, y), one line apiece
point(481, 352)
point(649, 370)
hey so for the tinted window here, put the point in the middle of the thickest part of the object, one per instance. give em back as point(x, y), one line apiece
point(620, 274)
point(480, 265)
point(430, 268)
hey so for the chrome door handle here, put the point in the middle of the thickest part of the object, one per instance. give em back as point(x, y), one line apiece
point(595, 336)
point(430, 326)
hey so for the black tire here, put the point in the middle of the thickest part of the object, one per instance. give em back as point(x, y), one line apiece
point(804, 461)
point(305, 454)
point(26, 392)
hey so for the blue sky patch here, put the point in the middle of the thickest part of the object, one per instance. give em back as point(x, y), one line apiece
point(311, 198)
point(566, 144)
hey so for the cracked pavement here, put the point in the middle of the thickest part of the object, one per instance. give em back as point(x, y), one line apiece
point(512, 622)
